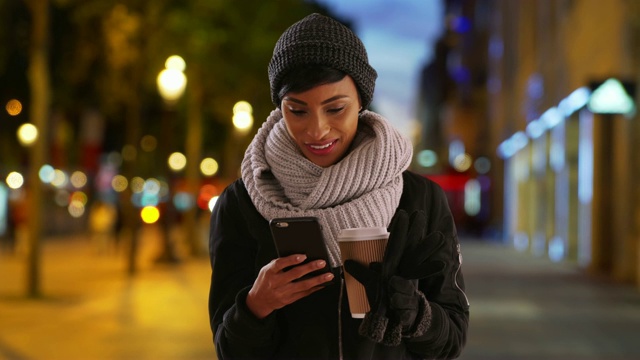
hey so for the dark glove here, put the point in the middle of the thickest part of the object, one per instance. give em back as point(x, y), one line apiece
point(416, 262)
point(395, 302)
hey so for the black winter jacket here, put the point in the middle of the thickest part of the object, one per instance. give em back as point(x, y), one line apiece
point(313, 327)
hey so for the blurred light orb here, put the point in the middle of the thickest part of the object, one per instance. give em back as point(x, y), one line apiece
point(427, 158)
point(184, 201)
point(152, 186)
point(14, 107)
point(175, 62)
point(15, 180)
point(150, 214)
point(47, 173)
point(209, 167)
point(164, 189)
point(137, 184)
point(177, 161)
point(76, 209)
point(78, 179)
point(62, 197)
point(59, 178)
point(212, 202)
point(482, 165)
point(171, 84)
point(27, 134)
point(462, 162)
point(80, 197)
point(242, 106)
point(148, 143)
point(243, 121)
point(119, 183)
point(129, 152)
point(207, 192)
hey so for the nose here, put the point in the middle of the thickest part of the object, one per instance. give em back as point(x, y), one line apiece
point(318, 127)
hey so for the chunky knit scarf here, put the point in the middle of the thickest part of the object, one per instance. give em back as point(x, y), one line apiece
point(361, 190)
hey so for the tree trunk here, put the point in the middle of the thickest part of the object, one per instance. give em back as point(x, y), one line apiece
point(39, 83)
point(193, 147)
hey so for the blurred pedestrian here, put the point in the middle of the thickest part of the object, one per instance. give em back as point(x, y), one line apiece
point(102, 225)
point(321, 153)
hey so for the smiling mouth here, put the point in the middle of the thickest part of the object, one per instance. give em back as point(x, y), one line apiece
point(321, 147)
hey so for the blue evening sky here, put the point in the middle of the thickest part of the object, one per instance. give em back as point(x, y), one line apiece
point(399, 36)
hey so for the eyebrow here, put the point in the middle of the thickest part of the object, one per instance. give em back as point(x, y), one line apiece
point(333, 98)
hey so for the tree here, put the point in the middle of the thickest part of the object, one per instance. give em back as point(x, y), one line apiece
point(39, 83)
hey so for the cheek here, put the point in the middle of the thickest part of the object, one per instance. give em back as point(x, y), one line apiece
point(291, 129)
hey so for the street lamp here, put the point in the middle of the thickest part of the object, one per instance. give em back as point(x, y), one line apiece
point(172, 81)
point(242, 116)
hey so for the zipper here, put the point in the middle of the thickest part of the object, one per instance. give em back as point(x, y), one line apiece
point(455, 276)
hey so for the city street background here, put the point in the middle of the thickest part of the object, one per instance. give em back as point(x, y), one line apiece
point(522, 307)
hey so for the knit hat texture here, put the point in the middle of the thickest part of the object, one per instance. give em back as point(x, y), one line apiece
point(321, 40)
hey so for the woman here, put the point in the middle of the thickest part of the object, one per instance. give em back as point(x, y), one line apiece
point(320, 153)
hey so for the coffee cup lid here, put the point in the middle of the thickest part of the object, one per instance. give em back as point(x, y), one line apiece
point(370, 233)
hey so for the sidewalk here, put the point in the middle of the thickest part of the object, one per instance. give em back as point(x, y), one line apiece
point(92, 310)
point(525, 307)
point(522, 308)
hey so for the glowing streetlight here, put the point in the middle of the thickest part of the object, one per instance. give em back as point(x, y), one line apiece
point(242, 116)
point(172, 81)
point(27, 134)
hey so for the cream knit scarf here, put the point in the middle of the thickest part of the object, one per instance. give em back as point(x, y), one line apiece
point(361, 190)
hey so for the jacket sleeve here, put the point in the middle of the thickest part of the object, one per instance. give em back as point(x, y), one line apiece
point(237, 332)
point(446, 335)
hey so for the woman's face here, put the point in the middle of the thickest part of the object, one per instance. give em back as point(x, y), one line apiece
point(323, 120)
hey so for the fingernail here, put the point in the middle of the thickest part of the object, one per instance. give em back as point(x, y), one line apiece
point(320, 263)
point(329, 276)
point(300, 257)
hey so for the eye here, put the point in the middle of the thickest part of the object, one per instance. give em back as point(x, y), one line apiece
point(335, 110)
point(297, 112)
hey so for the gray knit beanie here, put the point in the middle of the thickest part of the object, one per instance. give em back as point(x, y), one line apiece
point(320, 40)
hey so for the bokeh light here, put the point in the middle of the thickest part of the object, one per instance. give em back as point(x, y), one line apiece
point(242, 106)
point(47, 173)
point(150, 214)
point(482, 165)
point(183, 201)
point(427, 158)
point(148, 143)
point(76, 209)
point(119, 183)
point(129, 153)
point(175, 62)
point(137, 184)
point(242, 121)
point(206, 193)
point(462, 162)
point(78, 179)
point(15, 180)
point(177, 161)
point(152, 186)
point(242, 116)
point(62, 197)
point(27, 134)
point(79, 196)
point(59, 178)
point(209, 166)
point(14, 107)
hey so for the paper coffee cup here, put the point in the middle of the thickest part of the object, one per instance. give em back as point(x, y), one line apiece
point(363, 245)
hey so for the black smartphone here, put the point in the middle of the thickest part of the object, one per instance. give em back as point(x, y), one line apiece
point(300, 235)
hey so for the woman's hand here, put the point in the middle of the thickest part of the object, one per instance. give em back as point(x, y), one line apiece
point(275, 288)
